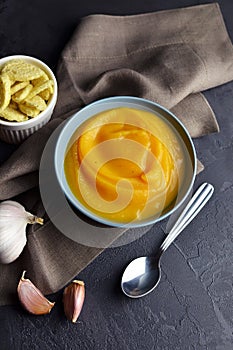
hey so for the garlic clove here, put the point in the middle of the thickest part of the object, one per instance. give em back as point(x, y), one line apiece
point(13, 222)
point(31, 297)
point(73, 299)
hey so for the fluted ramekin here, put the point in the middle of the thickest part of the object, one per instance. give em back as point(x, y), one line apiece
point(16, 132)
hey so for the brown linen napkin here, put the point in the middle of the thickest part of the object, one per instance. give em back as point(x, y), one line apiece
point(168, 57)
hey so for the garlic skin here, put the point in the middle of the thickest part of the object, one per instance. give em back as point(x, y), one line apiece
point(13, 221)
point(73, 299)
point(32, 299)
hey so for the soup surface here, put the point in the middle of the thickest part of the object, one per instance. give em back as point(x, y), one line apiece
point(125, 164)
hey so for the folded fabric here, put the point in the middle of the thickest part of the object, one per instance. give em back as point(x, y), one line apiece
point(168, 57)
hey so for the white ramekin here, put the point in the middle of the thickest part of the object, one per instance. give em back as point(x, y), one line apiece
point(16, 132)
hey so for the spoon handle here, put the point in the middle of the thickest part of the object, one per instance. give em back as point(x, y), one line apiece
point(196, 203)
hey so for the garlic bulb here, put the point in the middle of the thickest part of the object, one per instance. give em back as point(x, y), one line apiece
point(13, 222)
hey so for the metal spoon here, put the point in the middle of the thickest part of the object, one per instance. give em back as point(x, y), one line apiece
point(142, 275)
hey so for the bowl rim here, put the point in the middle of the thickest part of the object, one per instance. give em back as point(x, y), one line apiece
point(77, 204)
point(51, 102)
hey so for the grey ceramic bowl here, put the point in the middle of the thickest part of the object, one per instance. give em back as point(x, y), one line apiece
point(132, 102)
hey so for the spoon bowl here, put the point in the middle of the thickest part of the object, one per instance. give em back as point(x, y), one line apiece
point(142, 275)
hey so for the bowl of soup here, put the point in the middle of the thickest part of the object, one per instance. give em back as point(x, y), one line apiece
point(125, 161)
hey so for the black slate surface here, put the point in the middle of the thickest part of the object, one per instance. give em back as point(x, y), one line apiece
point(192, 308)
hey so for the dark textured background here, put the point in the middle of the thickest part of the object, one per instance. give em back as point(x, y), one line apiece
point(192, 308)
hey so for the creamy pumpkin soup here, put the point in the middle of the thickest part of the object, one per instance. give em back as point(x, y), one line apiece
point(125, 164)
